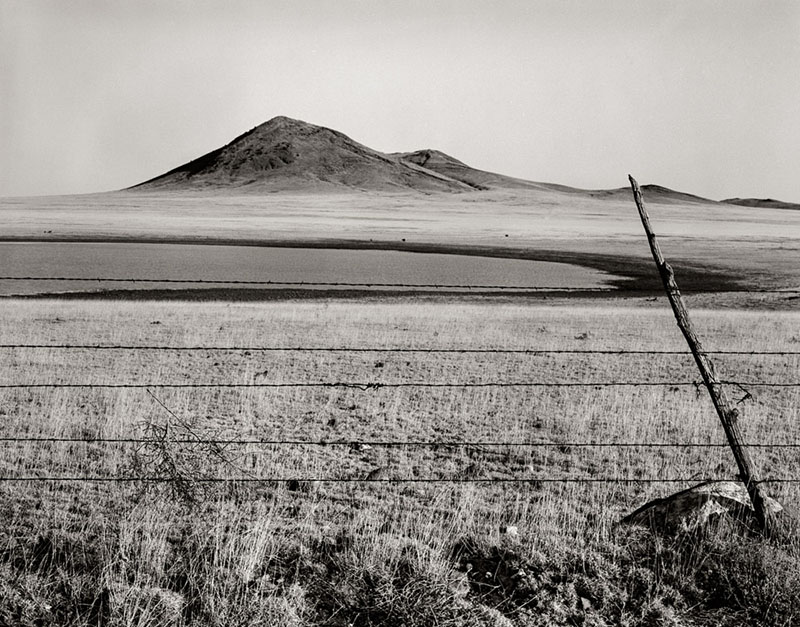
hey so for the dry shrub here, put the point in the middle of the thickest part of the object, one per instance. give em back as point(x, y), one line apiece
point(399, 594)
point(757, 580)
point(726, 571)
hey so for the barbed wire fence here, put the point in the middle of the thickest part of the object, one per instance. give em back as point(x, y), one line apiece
point(366, 386)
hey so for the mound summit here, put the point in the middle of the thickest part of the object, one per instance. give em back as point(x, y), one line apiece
point(284, 154)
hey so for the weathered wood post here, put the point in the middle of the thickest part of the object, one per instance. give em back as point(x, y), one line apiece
point(728, 413)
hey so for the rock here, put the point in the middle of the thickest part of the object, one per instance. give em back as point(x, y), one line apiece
point(696, 507)
point(509, 530)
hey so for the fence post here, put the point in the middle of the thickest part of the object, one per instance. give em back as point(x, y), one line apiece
point(727, 412)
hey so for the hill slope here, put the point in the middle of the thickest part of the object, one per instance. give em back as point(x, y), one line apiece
point(287, 154)
point(452, 168)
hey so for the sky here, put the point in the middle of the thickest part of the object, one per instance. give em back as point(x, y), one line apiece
point(698, 95)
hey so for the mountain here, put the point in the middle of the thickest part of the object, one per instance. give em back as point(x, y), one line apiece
point(286, 155)
point(768, 203)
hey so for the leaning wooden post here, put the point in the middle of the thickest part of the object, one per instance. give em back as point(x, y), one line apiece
point(728, 413)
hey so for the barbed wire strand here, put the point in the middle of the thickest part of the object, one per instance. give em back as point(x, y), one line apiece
point(375, 385)
point(345, 349)
point(388, 444)
point(123, 479)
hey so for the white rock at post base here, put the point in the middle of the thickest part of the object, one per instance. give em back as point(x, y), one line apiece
point(695, 507)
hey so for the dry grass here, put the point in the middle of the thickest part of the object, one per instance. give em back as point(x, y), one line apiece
point(474, 217)
point(317, 552)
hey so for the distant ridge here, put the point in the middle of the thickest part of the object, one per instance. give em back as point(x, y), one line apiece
point(653, 193)
point(767, 203)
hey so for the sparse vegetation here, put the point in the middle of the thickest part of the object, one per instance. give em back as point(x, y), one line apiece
point(386, 553)
point(719, 240)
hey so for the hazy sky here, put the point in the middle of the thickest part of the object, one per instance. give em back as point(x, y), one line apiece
point(698, 95)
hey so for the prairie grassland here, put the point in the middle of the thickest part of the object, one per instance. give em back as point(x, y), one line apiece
point(757, 245)
point(476, 217)
point(314, 544)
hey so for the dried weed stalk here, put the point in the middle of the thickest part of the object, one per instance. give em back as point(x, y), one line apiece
point(177, 461)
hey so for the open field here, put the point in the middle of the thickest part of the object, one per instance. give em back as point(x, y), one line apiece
point(507, 530)
point(757, 246)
